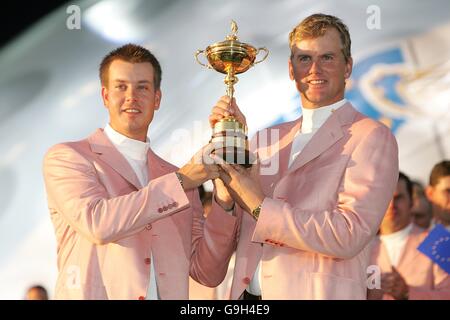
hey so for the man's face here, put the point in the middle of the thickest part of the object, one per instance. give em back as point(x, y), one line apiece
point(130, 98)
point(439, 196)
point(421, 212)
point(398, 214)
point(319, 69)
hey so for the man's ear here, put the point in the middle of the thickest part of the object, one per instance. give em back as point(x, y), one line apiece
point(105, 96)
point(348, 68)
point(158, 97)
point(429, 193)
point(291, 69)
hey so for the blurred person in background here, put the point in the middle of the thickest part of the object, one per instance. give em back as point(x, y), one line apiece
point(438, 192)
point(36, 292)
point(406, 273)
point(421, 209)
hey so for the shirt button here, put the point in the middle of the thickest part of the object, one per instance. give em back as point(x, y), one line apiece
point(147, 260)
point(246, 280)
point(141, 298)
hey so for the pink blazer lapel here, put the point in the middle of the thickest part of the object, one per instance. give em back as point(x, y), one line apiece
point(101, 145)
point(330, 132)
point(273, 153)
point(286, 145)
point(410, 251)
point(156, 167)
point(384, 262)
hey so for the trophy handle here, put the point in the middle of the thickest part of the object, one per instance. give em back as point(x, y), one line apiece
point(265, 56)
point(199, 62)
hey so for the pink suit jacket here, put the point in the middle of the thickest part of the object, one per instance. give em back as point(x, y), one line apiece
point(107, 224)
point(319, 215)
point(426, 280)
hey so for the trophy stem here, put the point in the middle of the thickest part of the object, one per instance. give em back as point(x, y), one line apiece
point(230, 91)
point(230, 80)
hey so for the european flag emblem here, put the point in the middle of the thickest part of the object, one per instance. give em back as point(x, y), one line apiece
point(437, 247)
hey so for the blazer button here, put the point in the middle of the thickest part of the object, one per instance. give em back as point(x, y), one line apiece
point(141, 298)
point(170, 206)
point(246, 280)
point(165, 208)
point(175, 204)
point(148, 226)
point(160, 210)
point(147, 260)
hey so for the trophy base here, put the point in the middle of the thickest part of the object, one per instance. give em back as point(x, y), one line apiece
point(230, 141)
point(235, 155)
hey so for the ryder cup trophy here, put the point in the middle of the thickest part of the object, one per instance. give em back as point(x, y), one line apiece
point(231, 57)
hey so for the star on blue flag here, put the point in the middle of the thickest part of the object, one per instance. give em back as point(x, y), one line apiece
point(437, 247)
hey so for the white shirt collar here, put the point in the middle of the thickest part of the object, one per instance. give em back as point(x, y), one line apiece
point(134, 149)
point(433, 224)
point(315, 118)
point(397, 236)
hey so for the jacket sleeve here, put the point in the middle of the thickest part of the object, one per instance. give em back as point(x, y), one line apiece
point(214, 241)
point(441, 287)
point(75, 191)
point(366, 189)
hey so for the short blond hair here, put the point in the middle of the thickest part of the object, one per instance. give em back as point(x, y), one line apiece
point(316, 25)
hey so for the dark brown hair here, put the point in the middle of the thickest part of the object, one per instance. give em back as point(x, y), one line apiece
point(440, 170)
point(134, 54)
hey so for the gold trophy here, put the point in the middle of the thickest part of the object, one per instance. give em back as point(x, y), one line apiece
point(231, 57)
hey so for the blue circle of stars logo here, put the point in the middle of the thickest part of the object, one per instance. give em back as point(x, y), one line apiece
point(438, 249)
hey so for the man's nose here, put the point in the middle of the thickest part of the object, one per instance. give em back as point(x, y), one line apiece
point(131, 94)
point(315, 67)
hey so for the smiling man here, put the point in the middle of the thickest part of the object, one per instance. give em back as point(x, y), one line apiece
point(130, 225)
point(308, 225)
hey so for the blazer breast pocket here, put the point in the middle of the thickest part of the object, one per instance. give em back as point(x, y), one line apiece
point(323, 170)
point(320, 185)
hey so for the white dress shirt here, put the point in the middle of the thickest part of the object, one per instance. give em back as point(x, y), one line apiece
point(136, 153)
point(395, 243)
point(312, 120)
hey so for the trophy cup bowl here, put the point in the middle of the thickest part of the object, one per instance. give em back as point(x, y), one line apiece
point(231, 57)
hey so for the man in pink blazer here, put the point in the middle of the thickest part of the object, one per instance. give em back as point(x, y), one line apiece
point(406, 273)
point(322, 185)
point(129, 225)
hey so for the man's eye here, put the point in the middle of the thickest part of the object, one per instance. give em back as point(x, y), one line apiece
point(327, 57)
point(142, 87)
point(304, 58)
point(121, 87)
